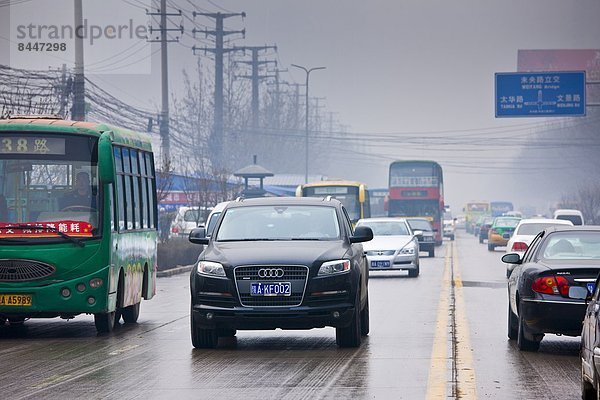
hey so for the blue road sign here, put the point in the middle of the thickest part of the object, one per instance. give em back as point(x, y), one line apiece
point(540, 94)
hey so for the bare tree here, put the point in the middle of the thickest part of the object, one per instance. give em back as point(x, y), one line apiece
point(589, 203)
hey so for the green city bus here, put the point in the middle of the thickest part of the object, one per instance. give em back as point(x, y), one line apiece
point(78, 221)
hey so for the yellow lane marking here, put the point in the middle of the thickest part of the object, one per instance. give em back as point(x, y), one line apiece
point(438, 374)
point(52, 380)
point(440, 385)
point(466, 386)
point(123, 349)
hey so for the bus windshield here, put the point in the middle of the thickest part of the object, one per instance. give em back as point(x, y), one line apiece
point(347, 195)
point(414, 208)
point(53, 187)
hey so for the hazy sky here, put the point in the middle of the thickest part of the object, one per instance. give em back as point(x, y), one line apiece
point(404, 68)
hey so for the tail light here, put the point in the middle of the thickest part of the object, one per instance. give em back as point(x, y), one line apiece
point(519, 246)
point(551, 285)
point(174, 229)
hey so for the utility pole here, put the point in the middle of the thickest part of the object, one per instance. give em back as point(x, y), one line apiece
point(307, 71)
point(317, 116)
point(255, 77)
point(164, 69)
point(219, 33)
point(331, 114)
point(64, 95)
point(78, 109)
point(277, 105)
point(297, 104)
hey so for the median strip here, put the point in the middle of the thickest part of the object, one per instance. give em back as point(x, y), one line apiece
point(451, 372)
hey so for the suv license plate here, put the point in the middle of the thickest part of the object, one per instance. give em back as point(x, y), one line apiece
point(270, 289)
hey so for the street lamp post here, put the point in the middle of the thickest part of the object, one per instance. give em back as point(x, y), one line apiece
point(308, 71)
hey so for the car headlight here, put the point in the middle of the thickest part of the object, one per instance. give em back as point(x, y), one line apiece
point(409, 249)
point(334, 267)
point(210, 268)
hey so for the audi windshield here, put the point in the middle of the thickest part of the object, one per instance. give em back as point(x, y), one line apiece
point(279, 223)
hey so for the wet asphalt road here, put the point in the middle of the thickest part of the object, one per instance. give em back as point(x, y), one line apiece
point(428, 340)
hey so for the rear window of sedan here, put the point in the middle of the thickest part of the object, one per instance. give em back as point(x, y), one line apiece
point(279, 222)
point(386, 228)
point(534, 228)
point(507, 222)
point(421, 225)
point(571, 245)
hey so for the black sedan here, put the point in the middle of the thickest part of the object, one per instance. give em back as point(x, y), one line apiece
point(425, 234)
point(558, 263)
point(590, 343)
point(289, 263)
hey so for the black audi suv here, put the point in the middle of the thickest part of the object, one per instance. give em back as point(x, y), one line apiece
point(289, 263)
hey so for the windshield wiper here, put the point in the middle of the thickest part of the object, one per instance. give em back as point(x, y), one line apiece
point(50, 228)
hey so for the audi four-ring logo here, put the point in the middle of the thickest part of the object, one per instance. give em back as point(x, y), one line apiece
point(270, 272)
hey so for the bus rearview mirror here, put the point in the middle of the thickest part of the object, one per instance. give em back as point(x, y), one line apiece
point(106, 162)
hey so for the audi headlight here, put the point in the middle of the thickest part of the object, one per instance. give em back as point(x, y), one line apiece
point(210, 268)
point(334, 267)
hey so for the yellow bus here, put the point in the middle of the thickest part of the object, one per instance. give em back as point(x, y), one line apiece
point(353, 195)
point(473, 211)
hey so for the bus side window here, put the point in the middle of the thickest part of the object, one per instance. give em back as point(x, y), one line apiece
point(144, 193)
point(120, 181)
point(367, 206)
point(151, 190)
point(135, 186)
point(128, 189)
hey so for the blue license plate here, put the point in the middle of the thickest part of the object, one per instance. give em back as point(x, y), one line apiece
point(380, 264)
point(271, 289)
point(591, 287)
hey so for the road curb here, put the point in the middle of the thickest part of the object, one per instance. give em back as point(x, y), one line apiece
point(174, 271)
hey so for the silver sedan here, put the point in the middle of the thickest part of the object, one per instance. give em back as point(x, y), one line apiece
point(393, 247)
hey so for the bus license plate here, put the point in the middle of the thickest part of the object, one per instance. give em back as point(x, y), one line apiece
point(271, 289)
point(18, 300)
point(380, 264)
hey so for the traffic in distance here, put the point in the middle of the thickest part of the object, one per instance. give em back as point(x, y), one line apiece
point(79, 227)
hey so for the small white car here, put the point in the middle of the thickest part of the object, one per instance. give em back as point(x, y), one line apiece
point(393, 247)
point(449, 228)
point(575, 216)
point(186, 219)
point(525, 232)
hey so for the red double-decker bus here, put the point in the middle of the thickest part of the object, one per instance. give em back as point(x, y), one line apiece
point(417, 190)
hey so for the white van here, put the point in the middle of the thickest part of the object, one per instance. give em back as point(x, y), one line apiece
point(575, 216)
point(186, 219)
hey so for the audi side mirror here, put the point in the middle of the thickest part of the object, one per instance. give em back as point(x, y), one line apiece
point(198, 236)
point(361, 234)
